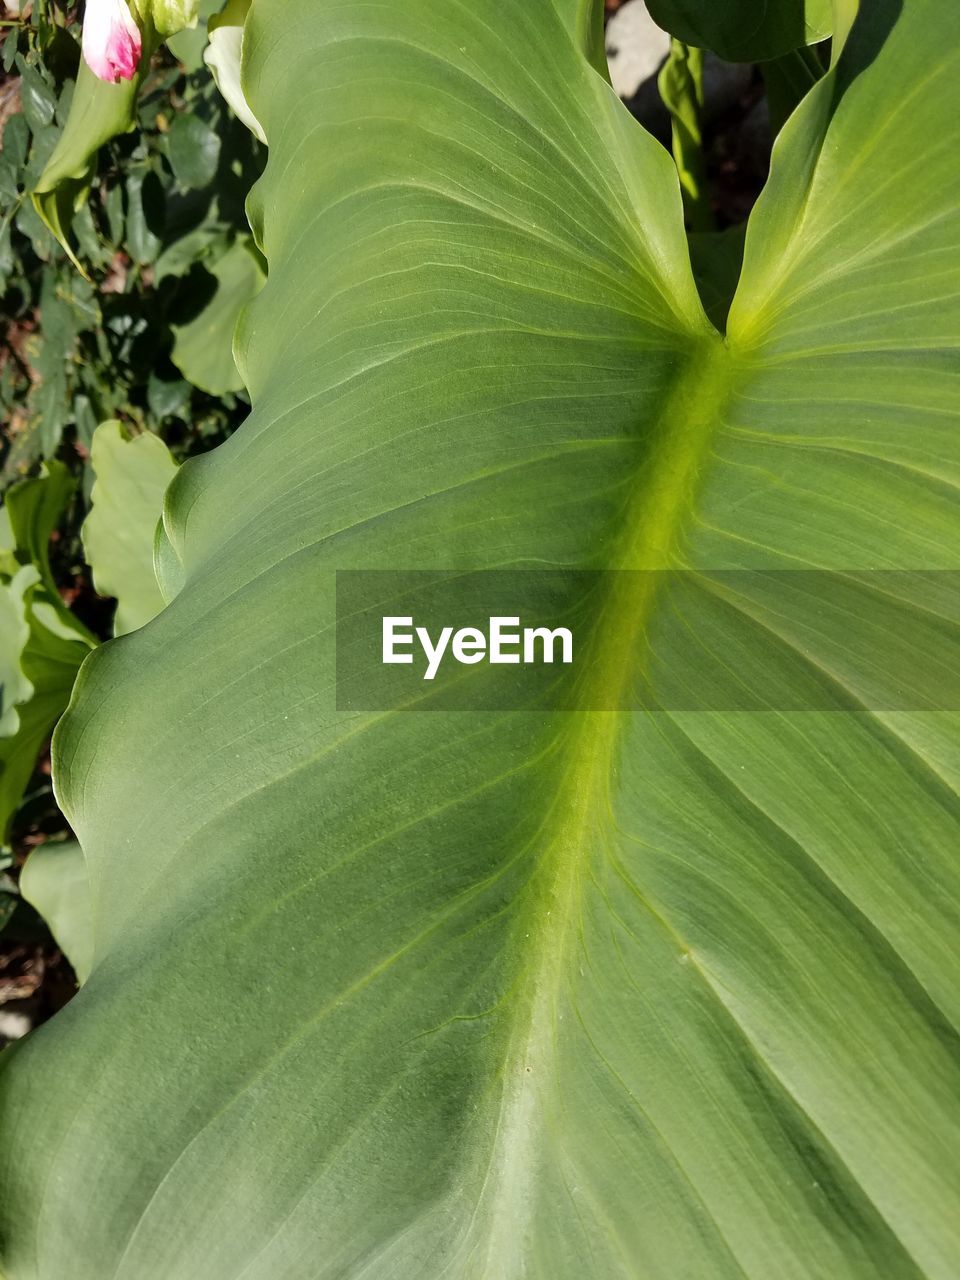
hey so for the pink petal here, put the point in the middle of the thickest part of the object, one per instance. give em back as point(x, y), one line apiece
point(111, 40)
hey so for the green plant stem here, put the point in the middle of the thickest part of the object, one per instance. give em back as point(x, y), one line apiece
point(681, 87)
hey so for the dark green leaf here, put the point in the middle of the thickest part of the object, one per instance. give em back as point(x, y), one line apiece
point(7, 259)
point(94, 252)
point(145, 216)
point(39, 102)
point(788, 80)
point(113, 211)
point(681, 88)
point(16, 140)
point(167, 398)
point(193, 150)
point(745, 30)
point(85, 420)
point(10, 46)
point(28, 221)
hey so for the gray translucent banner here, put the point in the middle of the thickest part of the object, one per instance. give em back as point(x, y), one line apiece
point(726, 640)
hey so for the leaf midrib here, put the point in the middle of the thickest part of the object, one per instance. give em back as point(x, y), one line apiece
point(652, 528)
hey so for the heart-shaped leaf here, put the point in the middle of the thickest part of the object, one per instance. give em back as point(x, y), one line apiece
point(612, 991)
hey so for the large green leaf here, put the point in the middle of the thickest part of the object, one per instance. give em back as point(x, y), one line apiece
point(584, 993)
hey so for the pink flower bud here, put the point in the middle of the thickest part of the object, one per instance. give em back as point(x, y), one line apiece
point(111, 40)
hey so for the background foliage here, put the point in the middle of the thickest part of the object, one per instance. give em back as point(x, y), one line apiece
point(145, 337)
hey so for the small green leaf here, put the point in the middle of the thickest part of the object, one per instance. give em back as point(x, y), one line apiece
point(10, 45)
point(95, 252)
point(131, 478)
point(14, 633)
point(203, 242)
point(203, 348)
point(193, 150)
point(113, 212)
point(51, 351)
point(43, 144)
point(145, 216)
point(7, 259)
point(55, 882)
point(50, 661)
point(681, 87)
point(41, 643)
point(84, 419)
point(29, 223)
point(34, 508)
point(187, 45)
point(167, 398)
point(16, 140)
point(38, 99)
